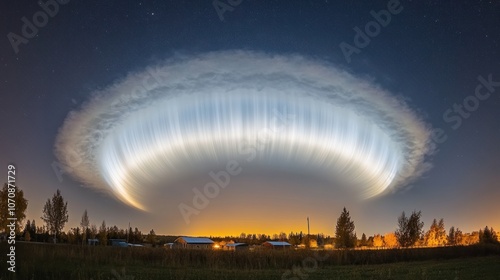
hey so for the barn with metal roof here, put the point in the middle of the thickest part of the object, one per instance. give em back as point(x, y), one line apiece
point(235, 246)
point(276, 245)
point(193, 243)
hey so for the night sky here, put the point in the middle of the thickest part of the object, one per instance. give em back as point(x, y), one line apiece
point(439, 57)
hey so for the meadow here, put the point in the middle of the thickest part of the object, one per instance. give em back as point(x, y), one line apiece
point(57, 261)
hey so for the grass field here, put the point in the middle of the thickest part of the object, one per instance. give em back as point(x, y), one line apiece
point(48, 261)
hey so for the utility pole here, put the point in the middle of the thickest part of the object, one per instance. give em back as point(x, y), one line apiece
point(128, 231)
point(308, 227)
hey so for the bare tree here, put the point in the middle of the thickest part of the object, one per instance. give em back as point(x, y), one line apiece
point(55, 214)
point(84, 223)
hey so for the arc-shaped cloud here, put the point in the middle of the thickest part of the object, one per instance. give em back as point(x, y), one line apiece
point(193, 111)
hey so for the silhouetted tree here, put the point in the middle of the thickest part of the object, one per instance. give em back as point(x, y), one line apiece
point(459, 237)
point(77, 234)
point(27, 236)
point(452, 236)
point(409, 229)
point(363, 241)
point(369, 242)
point(32, 231)
point(93, 231)
point(55, 214)
point(70, 236)
point(85, 225)
point(137, 235)
point(282, 236)
point(103, 234)
point(488, 236)
point(344, 231)
point(151, 238)
point(21, 204)
point(27, 229)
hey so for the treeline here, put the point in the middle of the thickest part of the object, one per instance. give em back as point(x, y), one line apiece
point(80, 235)
point(409, 231)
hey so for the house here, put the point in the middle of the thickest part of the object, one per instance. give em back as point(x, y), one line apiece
point(118, 242)
point(276, 245)
point(92, 241)
point(235, 247)
point(193, 243)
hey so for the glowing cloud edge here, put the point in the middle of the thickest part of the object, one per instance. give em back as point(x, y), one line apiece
point(91, 142)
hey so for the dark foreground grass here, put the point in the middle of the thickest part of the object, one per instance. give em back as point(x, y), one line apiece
point(48, 261)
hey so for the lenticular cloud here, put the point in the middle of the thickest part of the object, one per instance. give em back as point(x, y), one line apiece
point(191, 112)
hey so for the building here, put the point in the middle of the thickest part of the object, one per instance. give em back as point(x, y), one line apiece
point(235, 247)
point(118, 242)
point(93, 241)
point(276, 245)
point(193, 243)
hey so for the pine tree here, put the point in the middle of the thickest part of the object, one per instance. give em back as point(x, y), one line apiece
point(32, 230)
point(103, 234)
point(151, 238)
point(441, 233)
point(451, 237)
point(436, 236)
point(459, 237)
point(344, 231)
point(430, 235)
point(363, 240)
point(488, 236)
